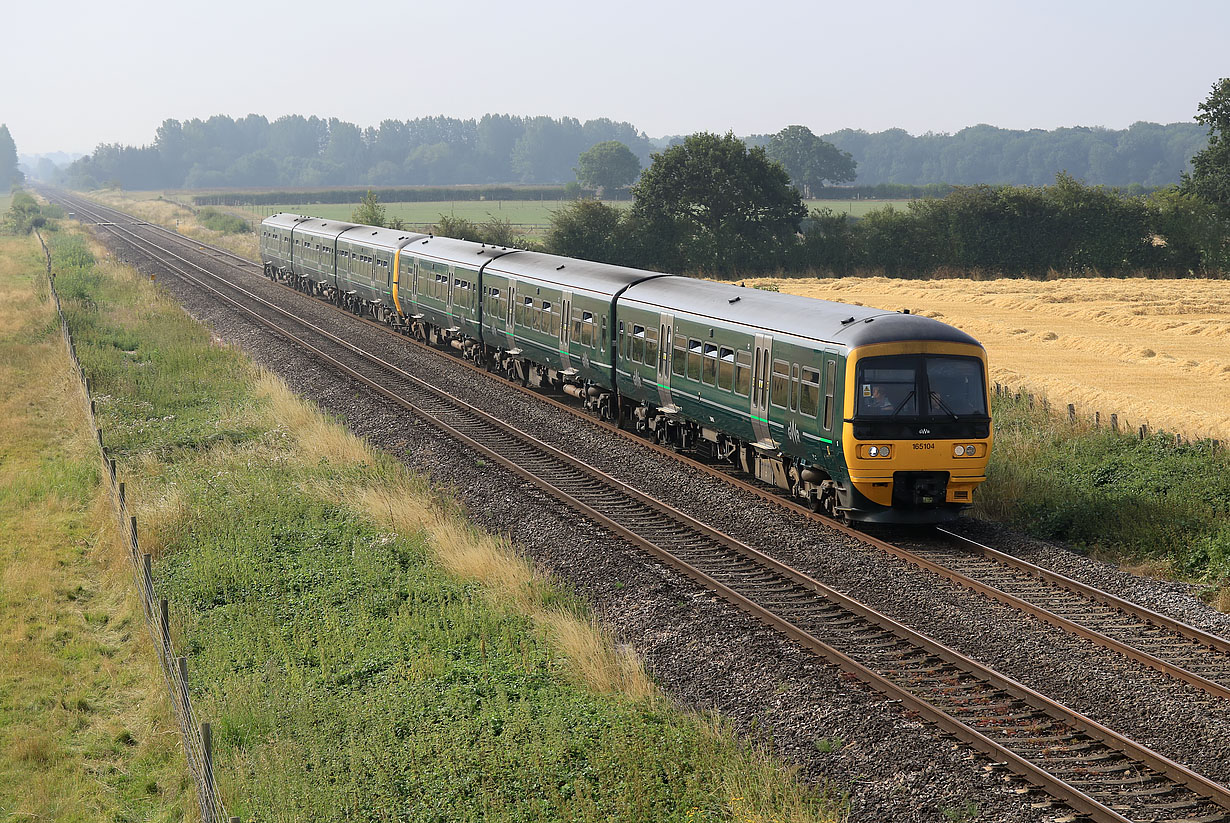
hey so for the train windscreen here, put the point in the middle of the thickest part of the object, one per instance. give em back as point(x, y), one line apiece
point(920, 386)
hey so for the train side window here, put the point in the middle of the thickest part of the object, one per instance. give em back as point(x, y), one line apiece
point(830, 383)
point(651, 347)
point(587, 329)
point(779, 394)
point(743, 373)
point(576, 324)
point(622, 343)
point(709, 370)
point(694, 359)
point(638, 343)
point(680, 363)
point(546, 317)
point(602, 335)
point(794, 393)
point(726, 368)
point(809, 392)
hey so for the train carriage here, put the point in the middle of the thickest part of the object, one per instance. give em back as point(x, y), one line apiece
point(314, 250)
point(276, 244)
point(562, 319)
point(437, 289)
point(785, 386)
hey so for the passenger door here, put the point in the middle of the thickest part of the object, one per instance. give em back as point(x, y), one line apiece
point(666, 343)
point(761, 364)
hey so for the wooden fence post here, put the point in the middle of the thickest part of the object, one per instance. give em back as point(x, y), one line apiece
point(1097, 419)
point(1071, 412)
point(1114, 422)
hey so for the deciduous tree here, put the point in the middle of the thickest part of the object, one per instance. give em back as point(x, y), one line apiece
point(810, 161)
point(711, 203)
point(369, 212)
point(608, 165)
point(1210, 176)
point(8, 159)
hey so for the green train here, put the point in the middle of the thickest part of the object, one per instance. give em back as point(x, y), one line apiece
point(868, 415)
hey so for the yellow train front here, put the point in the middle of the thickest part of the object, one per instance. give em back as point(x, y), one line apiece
point(917, 430)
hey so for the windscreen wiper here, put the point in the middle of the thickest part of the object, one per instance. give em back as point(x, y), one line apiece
point(935, 397)
point(901, 405)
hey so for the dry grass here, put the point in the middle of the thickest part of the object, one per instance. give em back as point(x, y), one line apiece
point(87, 732)
point(1151, 351)
point(409, 507)
point(153, 207)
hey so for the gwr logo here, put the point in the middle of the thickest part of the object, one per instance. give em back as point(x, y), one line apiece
point(924, 431)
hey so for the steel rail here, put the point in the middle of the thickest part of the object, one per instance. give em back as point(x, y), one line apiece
point(1174, 670)
point(1033, 773)
point(1171, 669)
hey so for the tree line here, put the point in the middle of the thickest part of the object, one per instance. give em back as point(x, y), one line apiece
point(715, 206)
point(296, 151)
point(313, 152)
point(1147, 154)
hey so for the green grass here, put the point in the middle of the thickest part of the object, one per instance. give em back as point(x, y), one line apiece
point(535, 213)
point(1111, 494)
point(855, 208)
point(347, 674)
point(86, 731)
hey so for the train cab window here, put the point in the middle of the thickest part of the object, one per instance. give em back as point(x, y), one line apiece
point(694, 359)
point(743, 373)
point(709, 369)
point(794, 390)
point(680, 363)
point(638, 344)
point(888, 388)
point(955, 386)
point(830, 383)
point(726, 368)
point(651, 347)
point(779, 390)
point(809, 392)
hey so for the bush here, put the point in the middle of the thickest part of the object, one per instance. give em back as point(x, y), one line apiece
point(223, 222)
point(1099, 490)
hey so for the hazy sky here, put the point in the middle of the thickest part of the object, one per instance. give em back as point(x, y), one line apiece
point(80, 73)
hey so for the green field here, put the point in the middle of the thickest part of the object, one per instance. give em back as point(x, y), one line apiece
point(531, 215)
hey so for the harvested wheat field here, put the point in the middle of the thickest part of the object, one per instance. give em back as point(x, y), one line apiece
point(1152, 351)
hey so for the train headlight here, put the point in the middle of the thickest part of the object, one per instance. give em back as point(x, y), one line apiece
point(958, 451)
point(884, 451)
point(874, 451)
point(970, 451)
point(964, 450)
point(878, 452)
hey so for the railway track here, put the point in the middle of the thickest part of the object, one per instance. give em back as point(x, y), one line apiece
point(1178, 650)
point(1096, 771)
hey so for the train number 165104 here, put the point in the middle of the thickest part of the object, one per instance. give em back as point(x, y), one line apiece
point(921, 446)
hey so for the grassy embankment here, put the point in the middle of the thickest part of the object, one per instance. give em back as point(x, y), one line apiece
point(86, 731)
point(1151, 503)
point(361, 651)
point(214, 226)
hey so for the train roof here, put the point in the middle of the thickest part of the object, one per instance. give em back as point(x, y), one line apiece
point(458, 252)
point(324, 228)
point(283, 220)
point(383, 238)
point(806, 317)
point(569, 272)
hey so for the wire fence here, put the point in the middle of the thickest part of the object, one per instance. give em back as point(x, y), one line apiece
point(1112, 421)
point(196, 736)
